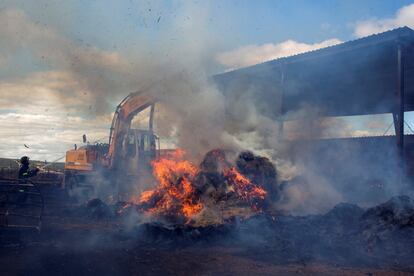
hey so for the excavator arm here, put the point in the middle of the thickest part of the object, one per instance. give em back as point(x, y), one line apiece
point(112, 161)
point(130, 106)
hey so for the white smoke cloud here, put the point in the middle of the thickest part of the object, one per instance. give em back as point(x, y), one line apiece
point(254, 54)
point(403, 17)
point(313, 195)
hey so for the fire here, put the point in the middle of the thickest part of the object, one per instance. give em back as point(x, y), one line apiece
point(145, 196)
point(179, 194)
point(244, 187)
point(174, 195)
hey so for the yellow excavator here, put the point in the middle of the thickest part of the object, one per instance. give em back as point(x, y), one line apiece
point(124, 160)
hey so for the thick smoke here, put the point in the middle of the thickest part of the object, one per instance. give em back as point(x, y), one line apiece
point(98, 73)
point(105, 76)
point(176, 67)
point(174, 70)
point(328, 170)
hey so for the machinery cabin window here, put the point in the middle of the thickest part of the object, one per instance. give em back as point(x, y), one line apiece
point(131, 146)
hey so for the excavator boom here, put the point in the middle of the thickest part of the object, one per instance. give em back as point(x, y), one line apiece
point(121, 122)
point(89, 158)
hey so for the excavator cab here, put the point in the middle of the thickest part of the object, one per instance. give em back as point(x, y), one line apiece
point(139, 149)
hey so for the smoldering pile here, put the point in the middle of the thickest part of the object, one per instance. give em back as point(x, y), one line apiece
point(382, 235)
point(213, 193)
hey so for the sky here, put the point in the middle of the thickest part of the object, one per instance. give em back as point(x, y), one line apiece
point(64, 65)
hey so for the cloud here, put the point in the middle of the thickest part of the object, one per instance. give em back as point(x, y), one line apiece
point(20, 32)
point(40, 92)
point(37, 110)
point(403, 17)
point(48, 136)
point(3, 62)
point(97, 71)
point(36, 107)
point(254, 54)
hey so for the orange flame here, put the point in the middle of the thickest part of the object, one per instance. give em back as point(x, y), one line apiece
point(244, 187)
point(176, 196)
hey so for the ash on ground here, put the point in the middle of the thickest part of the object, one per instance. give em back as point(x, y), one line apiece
point(346, 235)
point(347, 240)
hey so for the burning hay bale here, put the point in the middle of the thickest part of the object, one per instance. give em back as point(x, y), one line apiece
point(175, 197)
point(260, 170)
point(210, 180)
point(208, 194)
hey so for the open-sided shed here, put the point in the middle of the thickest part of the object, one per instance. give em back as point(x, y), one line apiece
point(371, 75)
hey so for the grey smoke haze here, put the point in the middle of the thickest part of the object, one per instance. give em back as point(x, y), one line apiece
point(103, 75)
point(177, 71)
point(193, 106)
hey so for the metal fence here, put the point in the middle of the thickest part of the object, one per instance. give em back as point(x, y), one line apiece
point(21, 205)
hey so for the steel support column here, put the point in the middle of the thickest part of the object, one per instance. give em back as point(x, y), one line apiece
point(151, 117)
point(280, 107)
point(399, 110)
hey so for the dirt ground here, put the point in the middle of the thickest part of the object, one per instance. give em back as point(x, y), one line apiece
point(74, 241)
point(69, 245)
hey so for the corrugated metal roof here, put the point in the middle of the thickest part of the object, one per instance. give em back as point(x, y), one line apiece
point(377, 38)
point(357, 77)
